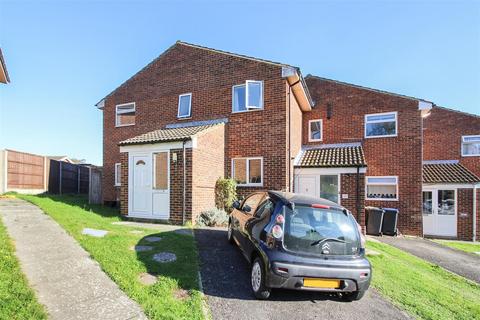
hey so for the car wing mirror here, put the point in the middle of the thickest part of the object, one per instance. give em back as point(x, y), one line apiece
point(247, 208)
point(236, 204)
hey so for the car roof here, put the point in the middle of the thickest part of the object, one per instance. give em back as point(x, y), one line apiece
point(298, 198)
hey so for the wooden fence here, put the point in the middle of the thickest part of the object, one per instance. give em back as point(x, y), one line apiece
point(66, 177)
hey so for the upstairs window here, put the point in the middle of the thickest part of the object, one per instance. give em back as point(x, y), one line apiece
point(185, 105)
point(382, 188)
point(248, 96)
point(248, 171)
point(470, 146)
point(380, 125)
point(125, 114)
point(118, 171)
point(315, 128)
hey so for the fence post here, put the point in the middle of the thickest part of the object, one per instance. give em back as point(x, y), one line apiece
point(78, 179)
point(60, 178)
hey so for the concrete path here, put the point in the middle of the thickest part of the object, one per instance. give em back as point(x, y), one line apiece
point(66, 280)
point(459, 262)
point(226, 284)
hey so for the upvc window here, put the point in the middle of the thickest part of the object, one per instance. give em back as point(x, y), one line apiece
point(185, 105)
point(248, 171)
point(380, 125)
point(315, 128)
point(248, 96)
point(382, 188)
point(118, 172)
point(125, 114)
point(470, 146)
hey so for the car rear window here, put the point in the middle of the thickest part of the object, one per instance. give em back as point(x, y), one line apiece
point(320, 231)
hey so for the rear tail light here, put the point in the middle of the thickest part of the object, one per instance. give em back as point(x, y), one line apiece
point(280, 219)
point(277, 231)
point(362, 237)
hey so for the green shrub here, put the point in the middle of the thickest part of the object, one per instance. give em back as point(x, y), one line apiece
point(213, 218)
point(225, 193)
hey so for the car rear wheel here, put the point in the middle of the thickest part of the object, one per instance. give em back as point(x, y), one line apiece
point(230, 233)
point(353, 296)
point(258, 280)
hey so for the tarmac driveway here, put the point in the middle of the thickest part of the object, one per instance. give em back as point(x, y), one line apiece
point(226, 283)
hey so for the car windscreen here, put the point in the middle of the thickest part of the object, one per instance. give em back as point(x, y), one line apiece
point(320, 231)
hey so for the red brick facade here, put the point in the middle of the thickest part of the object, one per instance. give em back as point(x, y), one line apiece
point(347, 106)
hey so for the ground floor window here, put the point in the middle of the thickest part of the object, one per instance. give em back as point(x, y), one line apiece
point(248, 171)
point(382, 188)
point(118, 167)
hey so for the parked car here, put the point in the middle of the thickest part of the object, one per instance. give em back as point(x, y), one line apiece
point(300, 242)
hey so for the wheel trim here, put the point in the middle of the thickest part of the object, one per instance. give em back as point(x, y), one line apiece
point(256, 276)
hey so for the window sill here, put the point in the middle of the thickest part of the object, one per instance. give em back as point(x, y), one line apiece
point(375, 137)
point(380, 199)
point(184, 118)
point(470, 155)
point(315, 140)
point(245, 111)
point(124, 125)
point(117, 185)
point(250, 185)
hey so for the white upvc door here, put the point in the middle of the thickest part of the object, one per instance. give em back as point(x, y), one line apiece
point(325, 186)
point(140, 190)
point(439, 211)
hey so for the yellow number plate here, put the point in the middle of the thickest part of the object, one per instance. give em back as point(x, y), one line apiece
point(321, 283)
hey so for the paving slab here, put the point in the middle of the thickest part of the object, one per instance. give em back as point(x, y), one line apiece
point(456, 261)
point(66, 280)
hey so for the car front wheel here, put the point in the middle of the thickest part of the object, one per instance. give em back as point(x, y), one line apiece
point(258, 280)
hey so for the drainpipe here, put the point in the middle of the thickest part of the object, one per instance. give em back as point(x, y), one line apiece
point(184, 182)
point(474, 213)
point(358, 194)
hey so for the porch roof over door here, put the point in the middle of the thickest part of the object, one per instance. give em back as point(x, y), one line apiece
point(447, 172)
point(346, 155)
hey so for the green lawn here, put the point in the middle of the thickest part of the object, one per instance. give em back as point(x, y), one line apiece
point(424, 290)
point(467, 247)
point(174, 296)
point(17, 299)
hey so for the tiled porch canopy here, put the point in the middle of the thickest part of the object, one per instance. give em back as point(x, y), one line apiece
point(333, 156)
point(447, 172)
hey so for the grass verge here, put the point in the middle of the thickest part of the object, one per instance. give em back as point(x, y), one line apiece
point(17, 299)
point(463, 246)
point(174, 296)
point(424, 290)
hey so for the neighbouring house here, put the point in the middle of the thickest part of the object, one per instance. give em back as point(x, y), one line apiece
point(195, 114)
point(3, 70)
point(68, 159)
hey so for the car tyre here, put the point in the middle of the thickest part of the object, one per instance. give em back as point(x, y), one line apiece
point(257, 279)
point(230, 233)
point(353, 296)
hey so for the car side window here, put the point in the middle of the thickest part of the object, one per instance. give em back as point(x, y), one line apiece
point(253, 202)
point(265, 208)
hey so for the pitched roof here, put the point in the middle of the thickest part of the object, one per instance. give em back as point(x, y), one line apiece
point(447, 173)
point(334, 156)
point(4, 78)
point(167, 135)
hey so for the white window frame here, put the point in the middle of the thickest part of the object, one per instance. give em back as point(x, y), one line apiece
point(117, 113)
point(310, 130)
point(189, 106)
point(118, 174)
point(381, 184)
point(463, 141)
point(380, 121)
point(247, 107)
point(247, 173)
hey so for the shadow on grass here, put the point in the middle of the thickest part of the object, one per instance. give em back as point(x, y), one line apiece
point(226, 273)
point(183, 270)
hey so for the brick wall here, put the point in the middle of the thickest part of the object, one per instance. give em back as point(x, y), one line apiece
point(176, 186)
point(464, 214)
point(123, 193)
point(209, 76)
point(443, 131)
point(349, 186)
point(208, 166)
point(394, 156)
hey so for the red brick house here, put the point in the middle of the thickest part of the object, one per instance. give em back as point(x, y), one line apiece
point(195, 114)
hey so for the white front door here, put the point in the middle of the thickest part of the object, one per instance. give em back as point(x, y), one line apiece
point(325, 186)
point(141, 200)
point(439, 211)
point(161, 185)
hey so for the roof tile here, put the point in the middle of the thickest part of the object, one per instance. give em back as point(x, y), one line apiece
point(448, 173)
point(342, 156)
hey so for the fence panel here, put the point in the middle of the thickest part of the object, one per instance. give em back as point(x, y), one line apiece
point(95, 192)
point(25, 171)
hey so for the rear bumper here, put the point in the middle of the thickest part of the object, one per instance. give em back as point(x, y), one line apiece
point(351, 279)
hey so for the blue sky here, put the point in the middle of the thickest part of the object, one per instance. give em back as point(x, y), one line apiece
point(63, 57)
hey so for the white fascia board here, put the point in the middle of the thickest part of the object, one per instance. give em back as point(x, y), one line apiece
point(155, 146)
point(319, 171)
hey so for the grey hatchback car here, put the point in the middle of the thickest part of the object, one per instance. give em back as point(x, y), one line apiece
point(294, 241)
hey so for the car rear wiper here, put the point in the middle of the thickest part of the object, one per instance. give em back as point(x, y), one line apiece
point(316, 243)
